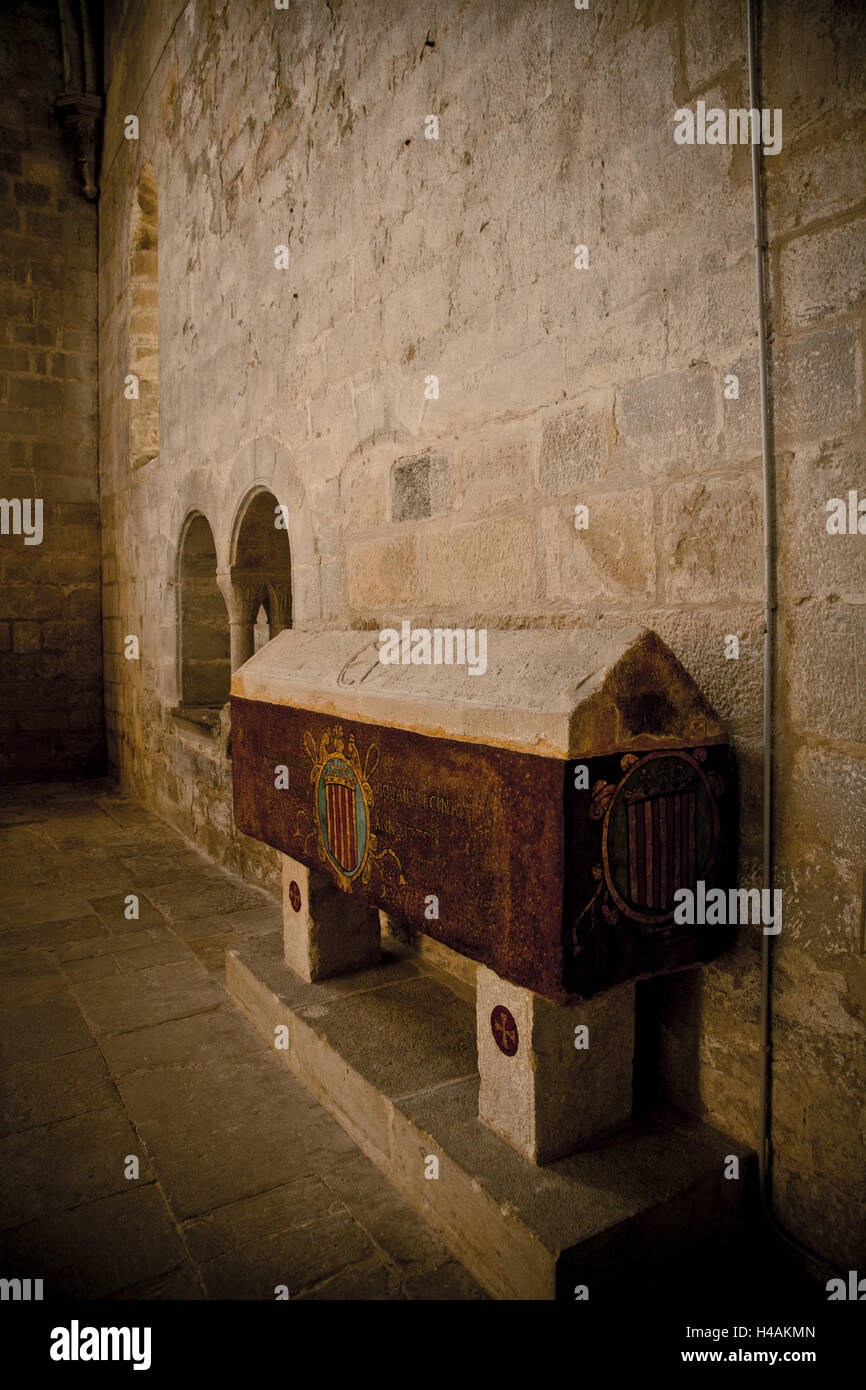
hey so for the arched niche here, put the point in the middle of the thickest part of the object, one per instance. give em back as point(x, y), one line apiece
point(260, 574)
point(204, 652)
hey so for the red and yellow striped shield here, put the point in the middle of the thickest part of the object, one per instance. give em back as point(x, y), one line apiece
point(661, 848)
point(342, 832)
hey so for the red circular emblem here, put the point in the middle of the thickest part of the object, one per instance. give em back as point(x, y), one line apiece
point(295, 896)
point(504, 1030)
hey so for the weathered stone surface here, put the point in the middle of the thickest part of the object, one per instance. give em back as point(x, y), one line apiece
point(114, 912)
point(383, 572)
point(186, 1042)
point(496, 470)
point(714, 553)
point(574, 450)
point(613, 558)
point(260, 1142)
point(277, 1212)
point(147, 996)
point(421, 487)
point(824, 661)
point(826, 786)
point(49, 431)
point(51, 1028)
point(381, 1022)
point(324, 933)
point(812, 560)
point(550, 1098)
point(96, 1249)
point(316, 1251)
point(494, 562)
point(37, 1093)
point(91, 1232)
point(670, 421)
point(547, 693)
point(824, 274)
point(817, 378)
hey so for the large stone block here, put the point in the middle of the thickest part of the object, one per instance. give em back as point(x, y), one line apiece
point(384, 572)
point(496, 470)
point(547, 1086)
point(826, 802)
point(823, 274)
point(574, 450)
point(821, 895)
point(670, 420)
point(713, 546)
point(325, 932)
point(614, 557)
point(816, 381)
point(491, 563)
point(711, 309)
point(824, 652)
point(422, 486)
point(812, 561)
point(364, 495)
point(820, 177)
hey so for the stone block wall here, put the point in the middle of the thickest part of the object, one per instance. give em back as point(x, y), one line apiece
point(51, 724)
point(309, 372)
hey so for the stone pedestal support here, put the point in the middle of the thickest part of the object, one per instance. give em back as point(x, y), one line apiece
point(325, 932)
point(540, 1092)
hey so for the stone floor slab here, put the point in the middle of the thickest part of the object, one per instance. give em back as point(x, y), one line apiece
point(135, 1000)
point(162, 1066)
point(280, 1210)
point(218, 1132)
point(98, 1248)
point(50, 935)
point(370, 1281)
point(34, 1094)
point(26, 976)
point(57, 1168)
point(113, 907)
point(314, 1252)
point(50, 1028)
point(219, 1036)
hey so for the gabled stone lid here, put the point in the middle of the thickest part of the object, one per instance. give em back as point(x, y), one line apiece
point(565, 694)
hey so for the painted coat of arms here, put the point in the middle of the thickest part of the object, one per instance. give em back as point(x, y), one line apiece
point(342, 805)
point(659, 823)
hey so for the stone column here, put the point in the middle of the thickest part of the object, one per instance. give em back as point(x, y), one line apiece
point(325, 931)
point(539, 1091)
point(242, 605)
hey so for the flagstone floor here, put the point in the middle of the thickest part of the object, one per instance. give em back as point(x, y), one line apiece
point(119, 1044)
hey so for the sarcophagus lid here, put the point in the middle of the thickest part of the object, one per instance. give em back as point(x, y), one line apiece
point(534, 806)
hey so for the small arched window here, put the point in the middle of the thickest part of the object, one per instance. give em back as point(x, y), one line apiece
point(205, 667)
point(261, 575)
point(144, 321)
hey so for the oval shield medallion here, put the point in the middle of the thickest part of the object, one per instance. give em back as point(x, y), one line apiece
point(661, 832)
point(342, 814)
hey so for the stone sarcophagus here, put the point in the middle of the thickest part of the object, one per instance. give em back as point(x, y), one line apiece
point(537, 817)
point(536, 812)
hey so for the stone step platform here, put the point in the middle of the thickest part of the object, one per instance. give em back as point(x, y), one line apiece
point(390, 1052)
